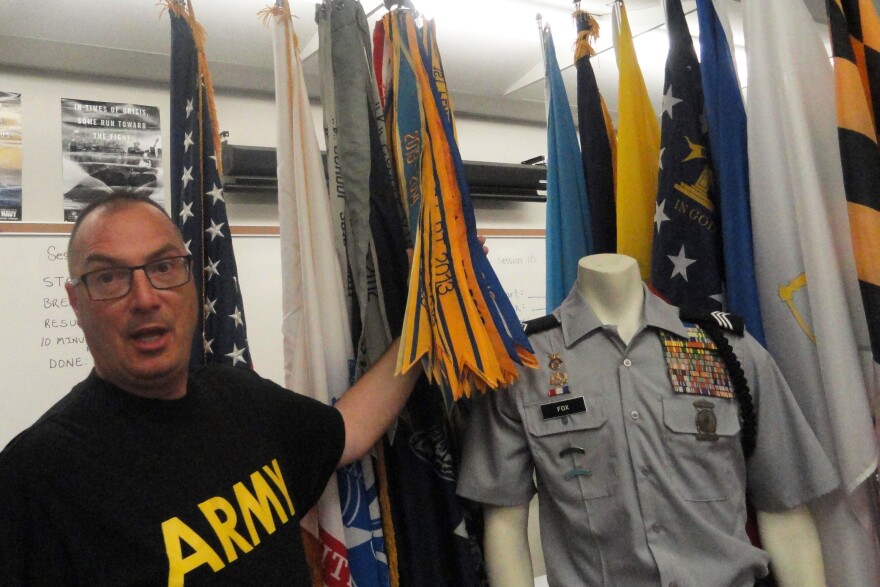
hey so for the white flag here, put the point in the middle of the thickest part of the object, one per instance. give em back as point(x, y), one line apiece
point(810, 302)
point(318, 353)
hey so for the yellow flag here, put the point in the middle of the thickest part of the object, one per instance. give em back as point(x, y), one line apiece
point(638, 153)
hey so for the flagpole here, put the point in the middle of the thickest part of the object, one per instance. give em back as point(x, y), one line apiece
point(540, 20)
point(615, 24)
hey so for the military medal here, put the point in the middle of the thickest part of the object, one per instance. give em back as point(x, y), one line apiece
point(559, 379)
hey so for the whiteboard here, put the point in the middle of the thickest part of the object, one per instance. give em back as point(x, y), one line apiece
point(521, 266)
point(44, 352)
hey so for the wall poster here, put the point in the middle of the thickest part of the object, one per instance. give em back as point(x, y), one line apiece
point(10, 156)
point(109, 146)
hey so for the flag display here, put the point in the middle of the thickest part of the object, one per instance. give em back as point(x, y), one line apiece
point(855, 41)
point(687, 261)
point(343, 534)
point(809, 295)
point(598, 141)
point(459, 321)
point(433, 542)
point(197, 201)
point(638, 152)
point(726, 119)
point(569, 230)
point(363, 197)
point(807, 282)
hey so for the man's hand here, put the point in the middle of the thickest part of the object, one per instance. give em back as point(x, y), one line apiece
point(482, 240)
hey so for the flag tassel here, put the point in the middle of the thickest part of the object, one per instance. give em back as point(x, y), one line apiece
point(199, 35)
point(588, 32)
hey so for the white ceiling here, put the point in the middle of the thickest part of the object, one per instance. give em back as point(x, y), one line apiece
point(490, 48)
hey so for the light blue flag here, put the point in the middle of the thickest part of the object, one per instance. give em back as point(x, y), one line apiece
point(726, 118)
point(569, 233)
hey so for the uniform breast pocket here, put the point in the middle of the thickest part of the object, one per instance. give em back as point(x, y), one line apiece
point(703, 445)
point(570, 447)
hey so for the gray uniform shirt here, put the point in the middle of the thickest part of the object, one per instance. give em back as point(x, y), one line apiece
point(638, 499)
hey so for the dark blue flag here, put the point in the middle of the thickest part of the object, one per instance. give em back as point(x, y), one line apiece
point(197, 198)
point(726, 118)
point(598, 143)
point(687, 260)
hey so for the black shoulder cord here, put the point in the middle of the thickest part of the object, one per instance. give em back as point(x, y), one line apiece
point(749, 433)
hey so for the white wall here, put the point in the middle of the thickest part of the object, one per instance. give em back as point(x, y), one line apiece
point(250, 120)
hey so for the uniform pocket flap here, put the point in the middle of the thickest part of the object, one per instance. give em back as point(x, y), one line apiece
point(695, 414)
point(555, 416)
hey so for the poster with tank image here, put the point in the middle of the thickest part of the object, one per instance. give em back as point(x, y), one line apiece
point(10, 156)
point(109, 146)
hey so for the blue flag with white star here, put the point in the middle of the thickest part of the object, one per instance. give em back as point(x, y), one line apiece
point(197, 198)
point(687, 265)
point(726, 118)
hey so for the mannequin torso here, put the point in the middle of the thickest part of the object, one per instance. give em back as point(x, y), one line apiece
point(612, 287)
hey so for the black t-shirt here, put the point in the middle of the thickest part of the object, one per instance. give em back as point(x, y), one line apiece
point(112, 489)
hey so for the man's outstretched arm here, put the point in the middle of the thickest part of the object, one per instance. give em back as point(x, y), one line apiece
point(372, 404)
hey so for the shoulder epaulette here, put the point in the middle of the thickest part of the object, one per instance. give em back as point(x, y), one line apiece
point(724, 320)
point(536, 325)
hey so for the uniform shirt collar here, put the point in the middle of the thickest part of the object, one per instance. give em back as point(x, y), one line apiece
point(579, 320)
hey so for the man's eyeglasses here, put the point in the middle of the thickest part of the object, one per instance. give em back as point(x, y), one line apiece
point(115, 282)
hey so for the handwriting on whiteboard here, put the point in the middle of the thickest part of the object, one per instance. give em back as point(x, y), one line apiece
point(520, 264)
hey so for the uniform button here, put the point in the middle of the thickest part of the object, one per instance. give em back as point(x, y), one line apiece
point(656, 527)
point(646, 470)
point(627, 362)
point(634, 415)
point(673, 584)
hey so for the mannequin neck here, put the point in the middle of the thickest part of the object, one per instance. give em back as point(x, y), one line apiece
point(612, 287)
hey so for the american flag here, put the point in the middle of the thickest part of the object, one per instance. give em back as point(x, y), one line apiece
point(197, 201)
point(687, 259)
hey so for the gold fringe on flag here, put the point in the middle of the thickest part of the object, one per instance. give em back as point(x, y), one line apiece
point(387, 520)
point(187, 13)
point(588, 31)
point(283, 11)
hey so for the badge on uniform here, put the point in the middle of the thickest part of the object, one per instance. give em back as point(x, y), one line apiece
point(705, 420)
point(694, 364)
point(559, 379)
